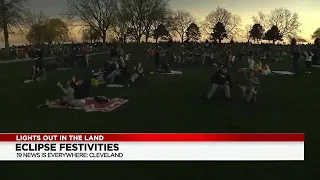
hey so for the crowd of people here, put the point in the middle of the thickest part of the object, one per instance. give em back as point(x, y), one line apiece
point(224, 56)
point(116, 72)
point(49, 50)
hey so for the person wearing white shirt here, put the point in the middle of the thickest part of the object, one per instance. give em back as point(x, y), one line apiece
point(251, 62)
point(308, 61)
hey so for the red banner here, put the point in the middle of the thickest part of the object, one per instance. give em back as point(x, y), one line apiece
point(153, 137)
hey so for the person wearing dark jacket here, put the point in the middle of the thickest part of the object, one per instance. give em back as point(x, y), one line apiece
point(157, 59)
point(81, 88)
point(113, 52)
point(40, 60)
point(296, 55)
point(220, 80)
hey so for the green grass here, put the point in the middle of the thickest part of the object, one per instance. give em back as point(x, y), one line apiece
point(286, 104)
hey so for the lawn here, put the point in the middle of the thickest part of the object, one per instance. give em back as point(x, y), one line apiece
point(286, 104)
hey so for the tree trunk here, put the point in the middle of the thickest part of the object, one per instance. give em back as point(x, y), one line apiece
point(182, 38)
point(147, 37)
point(104, 37)
point(157, 39)
point(138, 38)
point(5, 30)
point(6, 39)
point(274, 41)
point(220, 40)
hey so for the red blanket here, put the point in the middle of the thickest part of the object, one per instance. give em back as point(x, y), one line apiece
point(91, 105)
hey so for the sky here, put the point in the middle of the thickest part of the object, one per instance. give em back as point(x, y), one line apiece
point(307, 9)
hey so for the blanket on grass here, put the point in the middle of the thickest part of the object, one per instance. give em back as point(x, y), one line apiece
point(91, 105)
point(283, 73)
point(169, 73)
point(63, 69)
point(115, 86)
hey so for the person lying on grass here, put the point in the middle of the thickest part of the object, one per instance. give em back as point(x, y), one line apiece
point(138, 73)
point(220, 81)
point(69, 99)
point(250, 86)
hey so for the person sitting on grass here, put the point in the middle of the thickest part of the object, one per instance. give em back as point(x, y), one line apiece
point(249, 89)
point(258, 67)
point(69, 99)
point(81, 88)
point(138, 73)
point(119, 70)
point(220, 81)
point(164, 68)
point(38, 75)
point(266, 70)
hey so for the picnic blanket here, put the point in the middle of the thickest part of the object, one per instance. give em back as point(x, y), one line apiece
point(283, 73)
point(316, 66)
point(28, 81)
point(91, 105)
point(263, 73)
point(169, 73)
point(63, 69)
point(115, 86)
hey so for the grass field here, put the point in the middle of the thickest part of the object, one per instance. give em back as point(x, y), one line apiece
point(286, 104)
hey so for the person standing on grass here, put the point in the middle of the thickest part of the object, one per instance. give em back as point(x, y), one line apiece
point(220, 80)
point(40, 61)
point(157, 59)
point(296, 55)
point(113, 52)
point(86, 52)
point(251, 61)
point(308, 60)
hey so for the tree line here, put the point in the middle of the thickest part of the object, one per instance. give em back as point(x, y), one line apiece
point(123, 20)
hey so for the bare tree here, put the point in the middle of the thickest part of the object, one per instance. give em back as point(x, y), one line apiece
point(120, 29)
point(181, 20)
point(98, 14)
point(133, 12)
point(30, 19)
point(11, 14)
point(287, 21)
point(261, 19)
point(231, 22)
point(88, 34)
point(245, 32)
point(156, 15)
point(142, 15)
point(316, 34)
